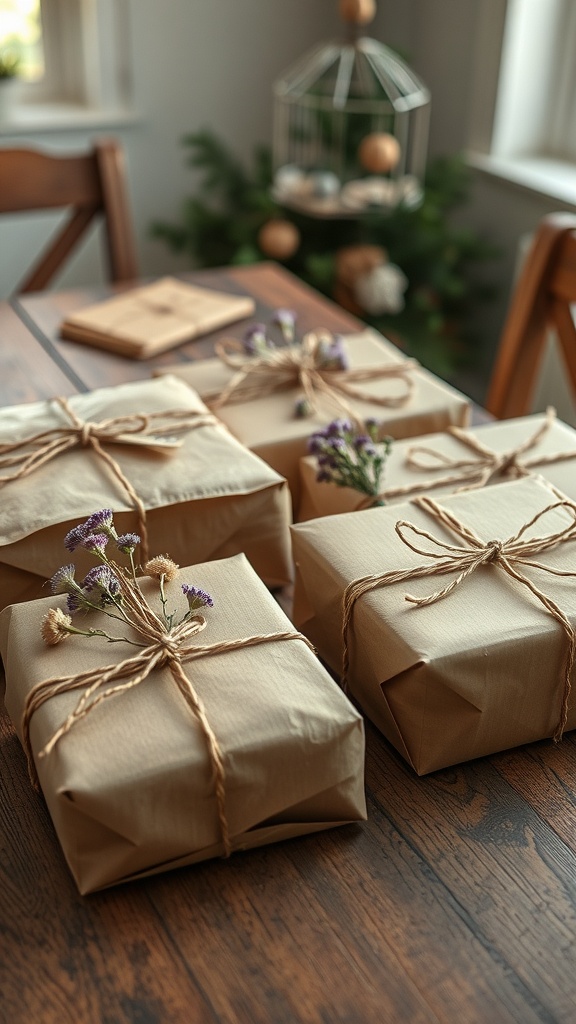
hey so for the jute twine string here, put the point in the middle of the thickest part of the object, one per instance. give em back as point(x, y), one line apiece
point(169, 648)
point(300, 366)
point(31, 453)
point(463, 560)
point(475, 472)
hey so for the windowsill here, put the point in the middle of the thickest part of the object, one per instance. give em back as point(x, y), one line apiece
point(57, 117)
point(555, 179)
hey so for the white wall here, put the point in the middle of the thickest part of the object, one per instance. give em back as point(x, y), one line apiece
point(196, 63)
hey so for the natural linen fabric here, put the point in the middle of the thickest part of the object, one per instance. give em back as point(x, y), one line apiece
point(19, 459)
point(207, 498)
point(459, 678)
point(131, 790)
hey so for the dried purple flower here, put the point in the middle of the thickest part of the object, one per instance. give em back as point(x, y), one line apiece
point(95, 542)
point(196, 598)
point(127, 543)
point(99, 521)
point(315, 444)
point(338, 428)
point(302, 408)
point(285, 319)
point(63, 580)
point(75, 537)
point(332, 355)
point(254, 339)
point(102, 579)
point(74, 602)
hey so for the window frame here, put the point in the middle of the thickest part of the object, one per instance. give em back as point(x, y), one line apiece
point(86, 55)
point(523, 83)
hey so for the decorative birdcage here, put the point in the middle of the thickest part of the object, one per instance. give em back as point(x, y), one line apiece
point(350, 128)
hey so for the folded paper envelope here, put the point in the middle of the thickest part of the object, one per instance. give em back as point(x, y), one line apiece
point(145, 321)
point(269, 427)
point(131, 788)
point(206, 495)
point(443, 463)
point(476, 672)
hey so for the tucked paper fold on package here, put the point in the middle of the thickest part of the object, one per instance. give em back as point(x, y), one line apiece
point(544, 446)
point(143, 322)
point(269, 427)
point(207, 497)
point(130, 788)
point(476, 672)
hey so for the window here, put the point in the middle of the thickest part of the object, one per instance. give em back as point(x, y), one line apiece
point(75, 54)
point(523, 115)
point(535, 109)
point(21, 36)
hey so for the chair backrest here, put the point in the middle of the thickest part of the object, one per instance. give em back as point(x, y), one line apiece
point(92, 186)
point(541, 302)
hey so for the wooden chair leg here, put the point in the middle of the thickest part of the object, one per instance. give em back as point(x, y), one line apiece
point(523, 340)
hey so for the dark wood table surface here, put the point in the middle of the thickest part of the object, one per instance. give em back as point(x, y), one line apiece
point(455, 902)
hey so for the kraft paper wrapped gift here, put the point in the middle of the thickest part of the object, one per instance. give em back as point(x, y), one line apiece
point(269, 427)
point(478, 671)
point(131, 787)
point(143, 322)
point(456, 460)
point(206, 496)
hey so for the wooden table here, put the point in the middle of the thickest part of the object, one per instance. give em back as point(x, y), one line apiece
point(455, 902)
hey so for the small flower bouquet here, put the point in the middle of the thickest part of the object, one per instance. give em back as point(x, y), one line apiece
point(351, 456)
point(272, 407)
point(159, 716)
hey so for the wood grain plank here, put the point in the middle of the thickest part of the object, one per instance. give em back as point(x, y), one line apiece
point(543, 774)
point(67, 958)
point(508, 870)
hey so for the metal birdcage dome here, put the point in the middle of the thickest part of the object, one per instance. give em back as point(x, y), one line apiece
point(350, 130)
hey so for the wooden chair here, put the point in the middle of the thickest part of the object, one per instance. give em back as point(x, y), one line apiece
point(541, 302)
point(91, 185)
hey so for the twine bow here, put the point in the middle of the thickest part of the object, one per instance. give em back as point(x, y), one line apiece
point(142, 429)
point(164, 647)
point(476, 472)
point(464, 559)
point(301, 366)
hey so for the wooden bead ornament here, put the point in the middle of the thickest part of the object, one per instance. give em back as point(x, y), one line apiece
point(279, 239)
point(379, 152)
point(358, 12)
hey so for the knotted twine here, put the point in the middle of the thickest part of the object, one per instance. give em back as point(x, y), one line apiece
point(477, 472)
point(301, 366)
point(464, 560)
point(142, 429)
point(166, 647)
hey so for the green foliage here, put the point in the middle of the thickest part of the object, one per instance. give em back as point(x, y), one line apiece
point(220, 223)
point(219, 226)
point(10, 62)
